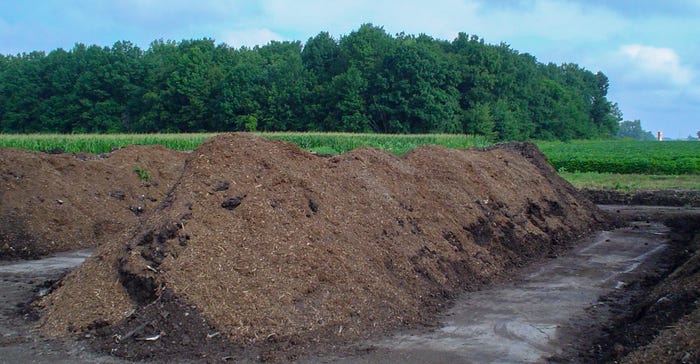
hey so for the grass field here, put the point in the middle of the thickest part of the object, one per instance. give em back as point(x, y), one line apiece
point(609, 164)
point(624, 156)
point(632, 182)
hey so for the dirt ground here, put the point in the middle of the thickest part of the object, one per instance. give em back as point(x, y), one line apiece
point(661, 198)
point(654, 319)
point(251, 249)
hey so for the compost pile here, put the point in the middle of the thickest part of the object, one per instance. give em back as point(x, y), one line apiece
point(57, 202)
point(261, 248)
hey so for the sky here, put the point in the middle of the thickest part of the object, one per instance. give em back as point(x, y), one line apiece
point(649, 49)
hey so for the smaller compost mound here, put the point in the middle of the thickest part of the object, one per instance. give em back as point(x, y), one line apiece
point(58, 202)
point(279, 249)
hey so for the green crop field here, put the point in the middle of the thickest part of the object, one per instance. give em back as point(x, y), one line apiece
point(100, 143)
point(624, 156)
point(610, 164)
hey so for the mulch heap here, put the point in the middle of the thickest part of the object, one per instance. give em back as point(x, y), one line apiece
point(58, 202)
point(263, 249)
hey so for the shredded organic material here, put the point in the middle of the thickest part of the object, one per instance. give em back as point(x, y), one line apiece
point(58, 202)
point(264, 245)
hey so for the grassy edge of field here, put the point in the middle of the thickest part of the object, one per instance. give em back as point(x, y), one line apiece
point(632, 182)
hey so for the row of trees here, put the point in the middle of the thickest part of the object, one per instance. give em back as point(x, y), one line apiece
point(633, 130)
point(367, 81)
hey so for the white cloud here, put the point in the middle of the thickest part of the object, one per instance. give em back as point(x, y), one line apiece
point(644, 63)
point(248, 37)
point(655, 85)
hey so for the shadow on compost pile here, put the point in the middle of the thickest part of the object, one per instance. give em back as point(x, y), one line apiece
point(284, 253)
point(58, 202)
point(654, 319)
point(167, 325)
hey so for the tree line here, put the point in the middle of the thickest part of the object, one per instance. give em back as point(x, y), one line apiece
point(366, 81)
point(632, 129)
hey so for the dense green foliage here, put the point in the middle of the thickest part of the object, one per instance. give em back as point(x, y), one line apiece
point(624, 156)
point(367, 81)
point(633, 130)
point(608, 156)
